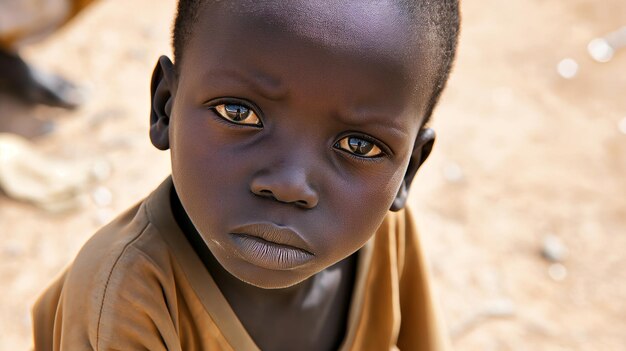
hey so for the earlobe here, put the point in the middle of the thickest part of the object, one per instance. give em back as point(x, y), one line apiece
point(400, 201)
point(161, 90)
point(421, 150)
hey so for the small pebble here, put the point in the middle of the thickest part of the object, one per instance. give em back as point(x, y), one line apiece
point(557, 272)
point(500, 308)
point(600, 50)
point(567, 68)
point(621, 125)
point(101, 170)
point(452, 172)
point(553, 249)
point(102, 196)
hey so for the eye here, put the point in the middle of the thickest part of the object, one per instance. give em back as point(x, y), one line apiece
point(359, 147)
point(238, 114)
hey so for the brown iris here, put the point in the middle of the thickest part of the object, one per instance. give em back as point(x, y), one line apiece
point(238, 114)
point(359, 147)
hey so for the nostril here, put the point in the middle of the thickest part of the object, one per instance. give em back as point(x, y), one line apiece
point(302, 203)
point(269, 194)
point(266, 193)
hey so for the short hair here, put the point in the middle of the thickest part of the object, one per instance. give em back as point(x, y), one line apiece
point(442, 18)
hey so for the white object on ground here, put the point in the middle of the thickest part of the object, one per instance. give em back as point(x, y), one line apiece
point(452, 172)
point(567, 68)
point(102, 196)
point(553, 248)
point(28, 175)
point(600, 50)
point(557, 272)
point(603, 49)
point(498, 308)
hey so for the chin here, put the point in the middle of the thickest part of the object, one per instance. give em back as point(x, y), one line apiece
point(273, 285)
point(270, 279)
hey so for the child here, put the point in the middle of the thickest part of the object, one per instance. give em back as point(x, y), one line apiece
point(294, 127)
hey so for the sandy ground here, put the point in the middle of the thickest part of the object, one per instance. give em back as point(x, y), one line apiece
point(522, 154)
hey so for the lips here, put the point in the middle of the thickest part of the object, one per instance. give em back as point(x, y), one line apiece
point(270, 246)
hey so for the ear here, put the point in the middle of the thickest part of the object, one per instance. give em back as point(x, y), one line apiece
point(161, 92)
point(421, 150)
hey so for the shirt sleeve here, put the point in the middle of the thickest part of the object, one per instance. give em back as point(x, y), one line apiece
point(421, 326)
point(128, 308)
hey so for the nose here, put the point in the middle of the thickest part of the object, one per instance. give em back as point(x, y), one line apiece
point(287, 184)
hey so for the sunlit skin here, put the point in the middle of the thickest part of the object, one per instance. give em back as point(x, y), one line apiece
point(305, 116)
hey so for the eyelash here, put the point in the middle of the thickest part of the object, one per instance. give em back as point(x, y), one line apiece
point(385, 152)
point(213, 104)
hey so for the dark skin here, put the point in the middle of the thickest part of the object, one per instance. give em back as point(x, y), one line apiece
point(320, 325)
point(291, 137)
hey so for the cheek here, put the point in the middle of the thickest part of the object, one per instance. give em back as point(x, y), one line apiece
point(199, 151)
point(369, 189)
point(357, 207)
point(205, 174)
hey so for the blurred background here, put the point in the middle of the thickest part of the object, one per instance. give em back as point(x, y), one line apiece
point(522, 206)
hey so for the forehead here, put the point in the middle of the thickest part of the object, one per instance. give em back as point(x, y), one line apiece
point(377, 36)
point(350, 25)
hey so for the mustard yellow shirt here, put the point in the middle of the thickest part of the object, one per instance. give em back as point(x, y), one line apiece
point(137, 284)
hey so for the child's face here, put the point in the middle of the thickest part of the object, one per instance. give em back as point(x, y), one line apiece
point(291, 130)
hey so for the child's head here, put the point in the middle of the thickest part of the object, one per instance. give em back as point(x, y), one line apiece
point(294, 126)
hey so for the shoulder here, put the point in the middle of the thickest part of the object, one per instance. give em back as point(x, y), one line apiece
point(125, 243)
point(126, 251)
point(110, 287)
point(398, 227)
point(109, 249)
point(398, 237)
point(119, 291)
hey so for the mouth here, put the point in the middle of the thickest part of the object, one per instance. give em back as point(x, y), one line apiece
point(270, 246)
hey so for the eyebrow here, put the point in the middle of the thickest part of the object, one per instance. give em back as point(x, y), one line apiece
point(263, 84)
